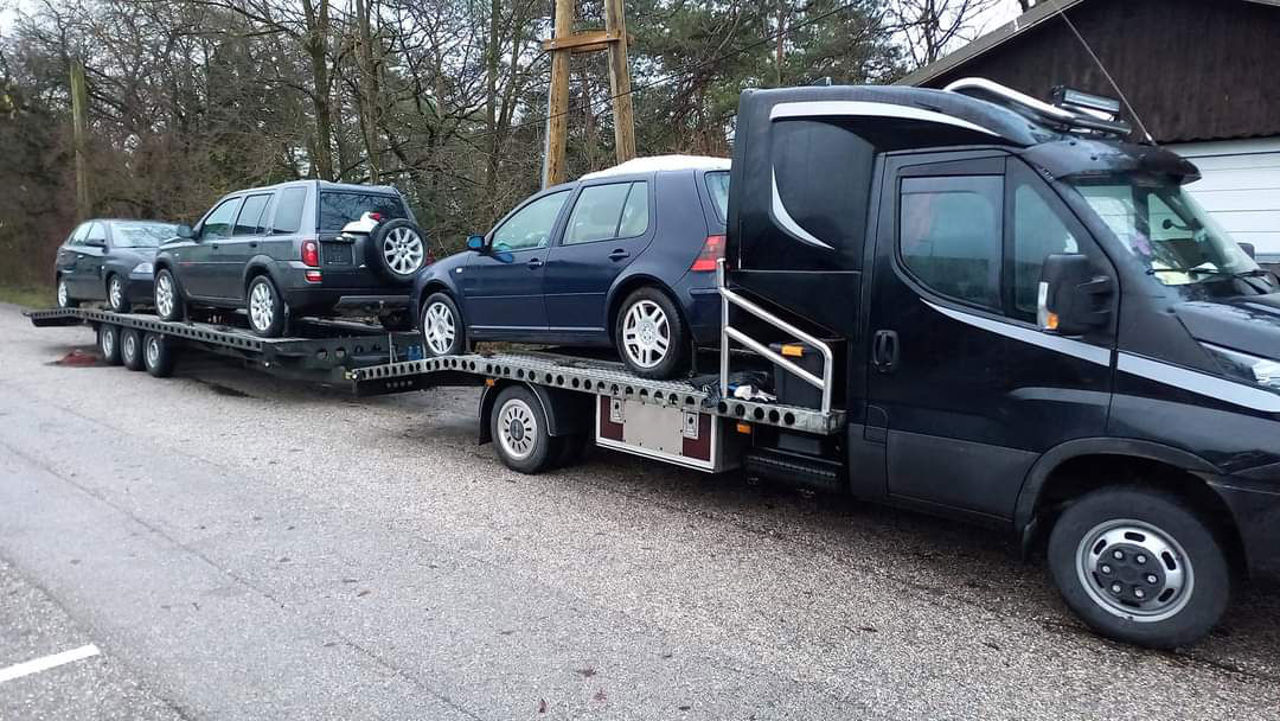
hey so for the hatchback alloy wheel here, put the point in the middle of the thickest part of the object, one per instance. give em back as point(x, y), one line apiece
point(646, 334)
point(404, 251)
point(439, 328)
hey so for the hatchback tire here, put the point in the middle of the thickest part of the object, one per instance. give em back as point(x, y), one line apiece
point(109, 343)
point(266, 308)
point(64, 295)
point(1140, 566)
point(168, 299)
point(116, 298)
point(650, 335)
point(131, 349)
point(443, 332)
point(157, 355)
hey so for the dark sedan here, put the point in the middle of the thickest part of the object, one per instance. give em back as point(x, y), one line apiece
point(623, 257)
point(110, 261)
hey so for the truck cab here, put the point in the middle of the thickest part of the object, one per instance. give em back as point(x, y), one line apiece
point(1033, 325)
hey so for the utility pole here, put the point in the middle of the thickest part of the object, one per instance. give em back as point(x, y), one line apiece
point(79, 130)
point(562, 46)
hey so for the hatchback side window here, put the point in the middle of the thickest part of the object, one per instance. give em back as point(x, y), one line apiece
point(531, 226)
point(950, 235)
point(1038, 232)
point(603, 212)
point(250, 213)
point(218, 223)
point(289, 211)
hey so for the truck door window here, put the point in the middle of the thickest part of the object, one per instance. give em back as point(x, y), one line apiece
point(1038, 231)
point(950, 235)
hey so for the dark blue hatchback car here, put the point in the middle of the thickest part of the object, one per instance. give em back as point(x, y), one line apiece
point(622, 257)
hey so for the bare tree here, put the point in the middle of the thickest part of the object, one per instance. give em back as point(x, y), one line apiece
point(930, 28)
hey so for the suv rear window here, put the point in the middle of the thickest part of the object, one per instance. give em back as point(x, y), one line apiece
point(338, 208)
point(718, 188)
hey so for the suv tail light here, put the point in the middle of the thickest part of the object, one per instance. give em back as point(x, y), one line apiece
point(712, 252)
point(310, 253)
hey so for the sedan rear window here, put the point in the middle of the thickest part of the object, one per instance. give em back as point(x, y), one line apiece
point(338, 208)
point(142, 235)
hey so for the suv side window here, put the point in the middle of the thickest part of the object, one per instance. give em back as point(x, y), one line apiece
point(217, 224)
point(289, 211)
point(603, 212)
point(531, 226)
point(950, 235)
point(250, 213)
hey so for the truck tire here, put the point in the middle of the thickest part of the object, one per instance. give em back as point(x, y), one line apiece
point(131, 349)
point(109, 343)
point(443, 332)
point(157, 355)
point(168, 299)
point(398, 249)
point(116, 298)
point(519, 431)
point(1138, 565)
point(650, 335)
point(266, 308)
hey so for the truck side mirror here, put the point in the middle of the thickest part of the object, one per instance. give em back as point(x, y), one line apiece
point(185, 231)
point(475, 242)
point(1249, 250)
point(1072, 298)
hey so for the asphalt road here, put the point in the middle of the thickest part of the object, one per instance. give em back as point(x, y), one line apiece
point(241, 547)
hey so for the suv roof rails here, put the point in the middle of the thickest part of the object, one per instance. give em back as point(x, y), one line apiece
point(1038, 109)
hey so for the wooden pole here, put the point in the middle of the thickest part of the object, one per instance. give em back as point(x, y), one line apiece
point(624, 130)
point(553, 168)
point(79, 129)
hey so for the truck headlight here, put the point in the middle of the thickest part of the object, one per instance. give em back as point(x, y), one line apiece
point(143, 268)
point(1263, 371)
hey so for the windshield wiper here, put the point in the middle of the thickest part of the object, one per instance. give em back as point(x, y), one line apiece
point(1202, 271)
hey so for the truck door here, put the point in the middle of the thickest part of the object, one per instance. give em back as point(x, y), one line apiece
point(970, 390)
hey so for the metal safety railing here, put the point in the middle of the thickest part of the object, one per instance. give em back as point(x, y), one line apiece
point(728, 332)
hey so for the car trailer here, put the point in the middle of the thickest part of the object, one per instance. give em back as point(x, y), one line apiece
point(319, 350)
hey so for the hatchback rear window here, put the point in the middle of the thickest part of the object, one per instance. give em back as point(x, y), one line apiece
point(339, 208)
point(718, 188)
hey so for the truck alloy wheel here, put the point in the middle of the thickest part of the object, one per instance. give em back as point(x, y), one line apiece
point(520, 431)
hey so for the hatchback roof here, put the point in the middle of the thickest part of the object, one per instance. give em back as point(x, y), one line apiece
point(660, 163)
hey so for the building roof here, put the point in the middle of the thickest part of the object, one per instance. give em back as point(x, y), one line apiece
point(1044, 11)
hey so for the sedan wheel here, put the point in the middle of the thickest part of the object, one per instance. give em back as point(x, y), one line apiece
point(115, 295)
point(64, 295)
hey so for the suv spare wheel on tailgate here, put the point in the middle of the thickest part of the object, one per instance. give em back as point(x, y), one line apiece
point(398, 249)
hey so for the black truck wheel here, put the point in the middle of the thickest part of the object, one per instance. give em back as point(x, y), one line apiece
point(398, 249)
point(157, 355)
point(519, 431)
point(1138, 565)
point(266, 308)
point(131, 349)
point(443, 332)
point(650, 335)
point(109, 343)
point(168, 297)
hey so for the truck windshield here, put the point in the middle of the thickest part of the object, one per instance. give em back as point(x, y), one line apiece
point(1164, 227)
point(337, 208)
point(142, 235)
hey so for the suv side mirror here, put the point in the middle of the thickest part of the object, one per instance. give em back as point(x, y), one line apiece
point(1073, 297)
point(475, 242)
point(185, 231)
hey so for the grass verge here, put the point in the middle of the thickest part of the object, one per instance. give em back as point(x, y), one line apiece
point(27, 296)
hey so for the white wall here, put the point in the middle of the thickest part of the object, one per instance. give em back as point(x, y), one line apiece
point(1241, 187)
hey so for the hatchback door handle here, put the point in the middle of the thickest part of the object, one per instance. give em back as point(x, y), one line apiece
point(619, 254)
point(535, 262)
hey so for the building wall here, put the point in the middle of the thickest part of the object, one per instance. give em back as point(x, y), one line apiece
point(1240, 186)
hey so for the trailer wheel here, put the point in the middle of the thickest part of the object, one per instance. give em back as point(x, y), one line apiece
point(1139, 566)
point(131, 349)
point(157, 355)
point(109, 343)
point(519, 430)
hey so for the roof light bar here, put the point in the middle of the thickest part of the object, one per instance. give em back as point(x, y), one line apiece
point(1082, 102)
point(1027, 105)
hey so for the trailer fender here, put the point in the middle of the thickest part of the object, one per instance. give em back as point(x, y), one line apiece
point(568, 413)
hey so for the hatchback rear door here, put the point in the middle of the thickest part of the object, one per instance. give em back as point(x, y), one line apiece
point(607, 229)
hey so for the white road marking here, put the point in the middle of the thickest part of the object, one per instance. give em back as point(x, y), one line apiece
point(45, 663)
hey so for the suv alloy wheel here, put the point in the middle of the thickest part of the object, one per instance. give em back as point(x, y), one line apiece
point(266, 309)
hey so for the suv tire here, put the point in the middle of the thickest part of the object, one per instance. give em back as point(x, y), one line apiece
point(650, 335)
point(266, 308)
point(1140, 566)
point(443, 332)
point(168, 299)
point(398, 249)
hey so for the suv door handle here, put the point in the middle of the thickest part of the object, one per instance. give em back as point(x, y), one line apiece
point(535, 263)
point(619, 254)
point(884, 351)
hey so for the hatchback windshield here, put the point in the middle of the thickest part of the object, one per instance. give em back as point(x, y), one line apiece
point(1164, 227)
point(339, 208)
point(141, 235)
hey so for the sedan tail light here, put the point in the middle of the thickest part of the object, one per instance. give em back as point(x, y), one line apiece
point(712, 252)
point(310, 253)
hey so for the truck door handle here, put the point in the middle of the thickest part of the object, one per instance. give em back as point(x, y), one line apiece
point(884, 351)
point(619, 254)
point(535, 263)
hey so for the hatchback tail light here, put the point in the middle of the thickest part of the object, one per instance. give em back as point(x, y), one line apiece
point(712, 252)
point(310, 253)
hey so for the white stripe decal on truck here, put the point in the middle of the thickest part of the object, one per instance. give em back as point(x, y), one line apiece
point(1200, 383)
point(1067, 346)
